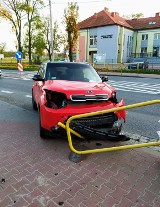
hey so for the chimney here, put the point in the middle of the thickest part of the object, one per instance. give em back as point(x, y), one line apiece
point(106, 9)
point(113, 14)
point(157, 14)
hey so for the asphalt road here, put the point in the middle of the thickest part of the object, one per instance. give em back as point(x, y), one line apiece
point(144, 121)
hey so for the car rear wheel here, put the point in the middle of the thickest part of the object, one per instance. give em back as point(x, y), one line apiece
point(34, 105)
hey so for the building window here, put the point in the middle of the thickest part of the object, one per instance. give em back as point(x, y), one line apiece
point(157, 36)
point(93, 40)
point(145, 37)
point(143, 52)
point(129, 46)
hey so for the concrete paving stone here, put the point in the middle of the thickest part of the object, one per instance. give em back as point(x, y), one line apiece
point(148, 197)
point(84, 181)
point(98, 181)
point(154, 187)
point(133, 195)
point(118, 193)
point(19, 184)
point(125, 203)
point(63, 197)
point(142, 203)
point(18, 194)
point(112, 183)
point(37, 203)
point(71, 179)
point(61, 187)
point(93, 200)
point(6, 202)
point(88, 190)
point(77, 199)
point(20, 202)
point(72, 190)
point(109, 201)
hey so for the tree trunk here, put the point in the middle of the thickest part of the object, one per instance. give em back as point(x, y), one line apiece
point(70, 47)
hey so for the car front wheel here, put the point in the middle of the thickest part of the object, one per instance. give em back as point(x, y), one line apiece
point(34, 105)
point(42, 131)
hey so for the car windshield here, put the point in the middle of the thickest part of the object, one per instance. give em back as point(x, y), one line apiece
point(72, 72)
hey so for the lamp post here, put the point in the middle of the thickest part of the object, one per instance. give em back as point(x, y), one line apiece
point(51, 31)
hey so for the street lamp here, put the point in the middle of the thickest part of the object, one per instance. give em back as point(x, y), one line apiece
point(51, 31)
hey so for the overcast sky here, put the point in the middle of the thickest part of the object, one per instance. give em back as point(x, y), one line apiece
point(86, 9)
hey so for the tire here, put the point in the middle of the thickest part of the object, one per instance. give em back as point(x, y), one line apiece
point(34, 105)
point(42, 131)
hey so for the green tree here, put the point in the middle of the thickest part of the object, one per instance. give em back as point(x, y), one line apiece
point(2, 47)
point(38, 46)
point(30, 7)
point(11, 11)
point(58, 37)
point(71, 22)
point(134, 16)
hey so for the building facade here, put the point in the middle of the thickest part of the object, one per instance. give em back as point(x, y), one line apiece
point(107, 37)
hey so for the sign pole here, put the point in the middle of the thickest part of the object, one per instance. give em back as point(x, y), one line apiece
point(19, 56)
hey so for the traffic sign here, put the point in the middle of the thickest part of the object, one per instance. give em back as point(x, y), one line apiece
point(20, 67)
point(18, 55)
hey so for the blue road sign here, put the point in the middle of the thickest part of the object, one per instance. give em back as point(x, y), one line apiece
point(18, 55)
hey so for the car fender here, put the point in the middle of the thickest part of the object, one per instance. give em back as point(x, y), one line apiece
point(121, 114)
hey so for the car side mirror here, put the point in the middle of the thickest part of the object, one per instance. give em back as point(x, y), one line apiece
point(37, 78)
point(104, 78)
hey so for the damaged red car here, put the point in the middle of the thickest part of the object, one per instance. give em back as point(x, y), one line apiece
point(63, 89)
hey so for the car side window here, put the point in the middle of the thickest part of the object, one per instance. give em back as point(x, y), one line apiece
point(41, 71)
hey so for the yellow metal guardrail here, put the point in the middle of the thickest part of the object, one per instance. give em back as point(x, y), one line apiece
point(69, 130)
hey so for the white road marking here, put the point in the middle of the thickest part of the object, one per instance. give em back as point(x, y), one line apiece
point(158, 132)
point(6, 91)
point(28, 96)
point(136, 87)
point(26, 79)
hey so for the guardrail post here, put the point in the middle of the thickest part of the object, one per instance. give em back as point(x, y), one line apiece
point(107, 67)
point(108, 149)
point(121, 67)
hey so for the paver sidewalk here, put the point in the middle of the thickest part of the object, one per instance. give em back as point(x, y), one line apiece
point(36, 173)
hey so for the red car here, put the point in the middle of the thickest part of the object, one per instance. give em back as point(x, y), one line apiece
point(63, 89)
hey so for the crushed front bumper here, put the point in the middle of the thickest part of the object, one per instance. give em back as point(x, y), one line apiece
point(51, 117)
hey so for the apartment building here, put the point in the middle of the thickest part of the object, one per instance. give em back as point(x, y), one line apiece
point(111, 38)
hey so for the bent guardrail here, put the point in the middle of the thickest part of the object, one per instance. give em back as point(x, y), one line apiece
point(124, 147)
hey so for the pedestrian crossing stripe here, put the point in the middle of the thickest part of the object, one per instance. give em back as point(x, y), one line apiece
point(136, 87)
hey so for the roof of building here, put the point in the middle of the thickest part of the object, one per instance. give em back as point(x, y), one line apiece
point(105, 18)
point(146, 23)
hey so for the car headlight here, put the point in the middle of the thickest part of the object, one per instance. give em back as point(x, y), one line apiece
point(55, 100)
point(113, 97)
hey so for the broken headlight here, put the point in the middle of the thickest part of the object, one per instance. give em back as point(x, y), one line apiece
point(55, 100)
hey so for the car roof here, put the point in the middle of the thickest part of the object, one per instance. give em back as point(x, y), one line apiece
point(67, 62)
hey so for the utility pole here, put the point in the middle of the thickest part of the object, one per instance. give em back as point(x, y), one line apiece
point(51, 31)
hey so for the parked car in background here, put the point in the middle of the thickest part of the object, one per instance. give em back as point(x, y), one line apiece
point(138, 63)
point(64, 89)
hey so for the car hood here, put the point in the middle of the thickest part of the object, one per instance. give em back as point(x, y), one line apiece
point(76, 87)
